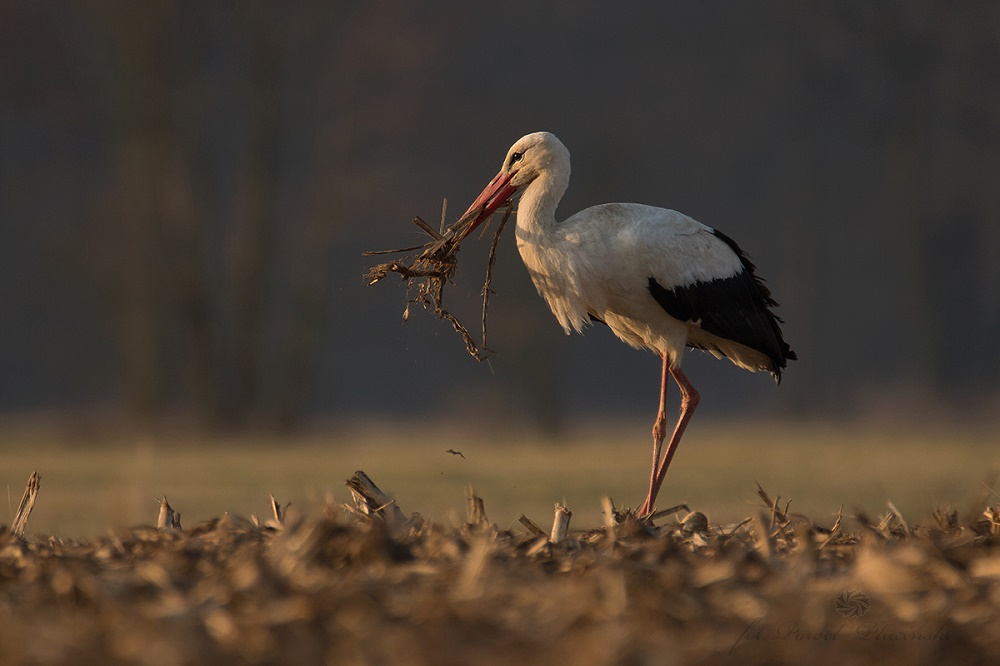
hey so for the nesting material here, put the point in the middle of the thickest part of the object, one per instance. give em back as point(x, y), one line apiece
point(426, 274)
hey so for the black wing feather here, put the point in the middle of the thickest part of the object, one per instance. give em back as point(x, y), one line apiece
point(736, 308)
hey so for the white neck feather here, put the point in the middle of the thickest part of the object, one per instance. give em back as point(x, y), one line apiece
point(536, 211)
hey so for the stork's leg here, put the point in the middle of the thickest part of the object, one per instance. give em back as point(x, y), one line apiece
point(659, 434)
point(689, 400)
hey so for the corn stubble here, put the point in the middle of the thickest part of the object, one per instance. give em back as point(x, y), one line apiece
point(369, 583)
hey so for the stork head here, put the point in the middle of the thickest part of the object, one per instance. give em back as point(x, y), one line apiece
point(531, 156)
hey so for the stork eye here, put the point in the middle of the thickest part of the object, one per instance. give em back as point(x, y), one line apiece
point(516, 157)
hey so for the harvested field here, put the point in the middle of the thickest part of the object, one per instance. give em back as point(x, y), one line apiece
point(355, 584)
point(95, 480)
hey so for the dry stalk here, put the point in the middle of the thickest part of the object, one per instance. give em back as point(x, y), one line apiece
point(427, 274)
point(992, 514)
point(532, 526)
point(667, 512)
point(763, 539)
point(835, 530)
point(168, 518)
point(898, 515)
point(27, 504)
point(695, 523)
point(738, 526)
point(865, 521)
point(610, 516)
point(278, 511)
point(560, 525)
point(475, 508)
point(373, 503)
point(777, 515)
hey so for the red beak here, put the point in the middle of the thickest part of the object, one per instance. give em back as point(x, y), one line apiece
point(491, 198)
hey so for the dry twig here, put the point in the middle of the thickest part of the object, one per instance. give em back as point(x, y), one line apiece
point(428, 272)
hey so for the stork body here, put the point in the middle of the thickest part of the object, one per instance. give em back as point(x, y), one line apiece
point(659, 279)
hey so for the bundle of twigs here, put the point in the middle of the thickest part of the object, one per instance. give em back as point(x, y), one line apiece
point(427, 273)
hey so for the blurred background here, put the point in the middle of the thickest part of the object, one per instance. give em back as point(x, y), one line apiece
point(186, 189)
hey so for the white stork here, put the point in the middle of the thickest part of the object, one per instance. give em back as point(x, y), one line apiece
point(659, 279)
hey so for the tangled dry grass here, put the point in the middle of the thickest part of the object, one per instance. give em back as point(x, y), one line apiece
point(427, 273)
point(368, 584)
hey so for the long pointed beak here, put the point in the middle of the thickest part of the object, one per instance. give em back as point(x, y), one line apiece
point(491, 198)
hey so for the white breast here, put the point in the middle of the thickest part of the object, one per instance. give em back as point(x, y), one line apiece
point(599, 262)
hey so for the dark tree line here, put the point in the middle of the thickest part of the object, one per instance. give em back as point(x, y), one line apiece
point(185, 189)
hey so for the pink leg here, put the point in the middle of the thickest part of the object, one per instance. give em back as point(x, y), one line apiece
point(659, 433)
point(689, 400)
